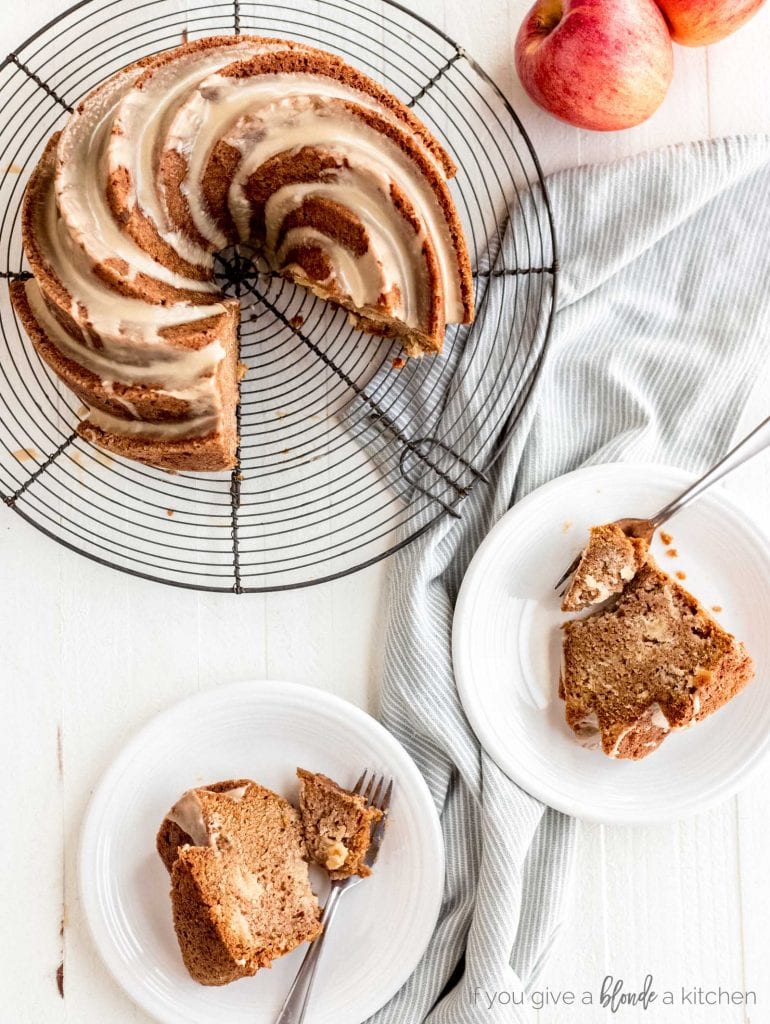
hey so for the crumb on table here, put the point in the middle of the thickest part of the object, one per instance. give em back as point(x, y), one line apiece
point(26, 454)
point(716, 607)
point(169, 512)
point(666, 538)
point(566, 525)
point(399, 363)
point(672, 553)
point(681, 575)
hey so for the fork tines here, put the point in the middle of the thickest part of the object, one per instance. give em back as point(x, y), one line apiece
point(372, 789)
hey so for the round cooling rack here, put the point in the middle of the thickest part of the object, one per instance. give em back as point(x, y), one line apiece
point(347, 451)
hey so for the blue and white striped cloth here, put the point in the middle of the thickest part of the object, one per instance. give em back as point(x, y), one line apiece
point(663, 327)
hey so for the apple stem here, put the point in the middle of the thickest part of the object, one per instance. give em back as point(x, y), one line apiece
point(549, 15)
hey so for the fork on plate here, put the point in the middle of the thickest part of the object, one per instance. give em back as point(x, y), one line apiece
point(751, 445)
point(377, 794)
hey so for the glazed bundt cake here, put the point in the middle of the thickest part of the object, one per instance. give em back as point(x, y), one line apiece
point(223, 141)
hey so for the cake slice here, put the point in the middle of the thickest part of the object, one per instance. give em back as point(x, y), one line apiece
point(654, 662)
point(337, 825)
point(240, 890)
point(609, 561)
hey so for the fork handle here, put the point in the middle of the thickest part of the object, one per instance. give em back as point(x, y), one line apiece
point(294, 1008)
point(755, 442)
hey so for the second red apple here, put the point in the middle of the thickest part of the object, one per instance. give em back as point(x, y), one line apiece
point(701, 22)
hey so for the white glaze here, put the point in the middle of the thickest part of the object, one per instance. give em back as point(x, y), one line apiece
point(81, 187)
point(169, 369)
point(198, 426)
point(187, 813)
point(143, 119)
point(109, 314)
point(658, 717)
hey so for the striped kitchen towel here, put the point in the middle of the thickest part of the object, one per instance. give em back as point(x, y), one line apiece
point(662, 327)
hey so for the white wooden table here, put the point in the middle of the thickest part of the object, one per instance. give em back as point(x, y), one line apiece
point(89, 655)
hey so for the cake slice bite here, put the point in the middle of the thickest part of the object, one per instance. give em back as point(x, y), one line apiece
point(608, 562)
point(337, 825)
point(240, 890)
point(654, 662)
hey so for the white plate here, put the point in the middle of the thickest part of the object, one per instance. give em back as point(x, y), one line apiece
point(506, 646)
point(260, 731)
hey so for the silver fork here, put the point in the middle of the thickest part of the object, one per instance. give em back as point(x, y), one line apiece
point(378, 795)
point(751, 445)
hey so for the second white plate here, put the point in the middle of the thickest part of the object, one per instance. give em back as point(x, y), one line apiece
point(260, 731)
point(506, 646)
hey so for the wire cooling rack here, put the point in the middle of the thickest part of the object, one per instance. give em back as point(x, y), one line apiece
point(337, 469)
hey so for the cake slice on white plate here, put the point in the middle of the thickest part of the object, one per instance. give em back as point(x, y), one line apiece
point(652, 662)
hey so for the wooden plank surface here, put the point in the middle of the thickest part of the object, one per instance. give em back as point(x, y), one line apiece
point(91, 655)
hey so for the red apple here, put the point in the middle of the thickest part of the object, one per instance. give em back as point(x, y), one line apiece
point(601, 64)
point(700, 22)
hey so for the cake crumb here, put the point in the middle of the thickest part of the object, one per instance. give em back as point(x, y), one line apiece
point(716, 607)
point(681, 575)
point(672, 553)
point(169, 512)
point(399, 363)
point(667, 539)
point(13, 169)
point(566, 525)
point(26, 454)
point(296, 322)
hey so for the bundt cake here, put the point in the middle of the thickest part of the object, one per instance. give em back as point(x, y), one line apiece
point(337, 825)
point(608, 562)
point(222, 141)
point(240, 890)
point(653, 662)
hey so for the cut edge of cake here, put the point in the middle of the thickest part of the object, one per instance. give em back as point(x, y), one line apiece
point(608, 562)
point(337, 825)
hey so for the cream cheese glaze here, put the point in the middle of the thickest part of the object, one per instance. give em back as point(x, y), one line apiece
point(141, 125)
point(176, 371)
point(80, 187)
point(107, 313)
point(309, 113)
point(220, 108)
point(187, 813)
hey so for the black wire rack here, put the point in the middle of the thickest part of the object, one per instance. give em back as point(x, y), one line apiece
point(347, 451)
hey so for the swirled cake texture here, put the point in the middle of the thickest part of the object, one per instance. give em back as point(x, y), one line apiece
point(226, 141)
